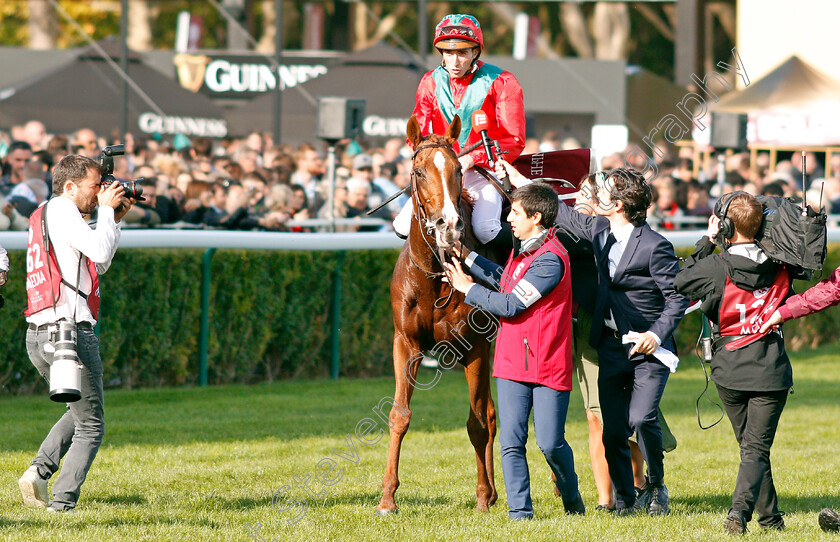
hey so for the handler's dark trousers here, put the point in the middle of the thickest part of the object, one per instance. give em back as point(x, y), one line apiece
point(630, 394)
point(755, 417)
point(78, 433)
point(516, 400)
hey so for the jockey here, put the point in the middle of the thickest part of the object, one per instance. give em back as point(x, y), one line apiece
point(461, 85)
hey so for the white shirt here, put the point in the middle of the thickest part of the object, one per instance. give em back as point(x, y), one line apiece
point(622, 237)
point(70, 236)
point(748, 250)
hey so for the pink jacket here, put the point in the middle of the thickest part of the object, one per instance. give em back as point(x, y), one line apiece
point(816, 298)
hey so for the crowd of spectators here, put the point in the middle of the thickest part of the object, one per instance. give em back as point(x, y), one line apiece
point(240, 184)
point(251, 183)
point(684, 195)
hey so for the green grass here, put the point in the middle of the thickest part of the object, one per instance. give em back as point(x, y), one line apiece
point(202, 464)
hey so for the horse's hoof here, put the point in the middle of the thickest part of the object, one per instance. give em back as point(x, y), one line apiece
point(386, 512)
point(482, 507)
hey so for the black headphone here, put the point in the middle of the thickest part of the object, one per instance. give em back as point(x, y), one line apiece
point(726, 228)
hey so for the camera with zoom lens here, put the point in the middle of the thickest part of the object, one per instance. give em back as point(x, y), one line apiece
point(133, 190)
point(65, 370)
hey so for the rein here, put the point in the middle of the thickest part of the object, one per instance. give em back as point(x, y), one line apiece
point(404, 190)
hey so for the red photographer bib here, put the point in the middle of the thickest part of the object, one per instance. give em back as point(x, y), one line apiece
point(43, 275)
point(742, 312)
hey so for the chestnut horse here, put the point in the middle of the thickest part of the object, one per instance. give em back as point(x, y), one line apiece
point(429, 316)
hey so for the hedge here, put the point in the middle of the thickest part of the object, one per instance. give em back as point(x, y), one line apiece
point(269, 318)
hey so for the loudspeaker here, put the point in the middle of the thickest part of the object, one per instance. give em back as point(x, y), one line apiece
point(340, 118)
point(729, 130)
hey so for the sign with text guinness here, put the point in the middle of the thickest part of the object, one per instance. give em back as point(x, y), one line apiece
point(151, 123)
point(245, 76)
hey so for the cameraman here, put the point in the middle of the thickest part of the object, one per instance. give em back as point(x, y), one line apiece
point(740, 288)
point(71, 292)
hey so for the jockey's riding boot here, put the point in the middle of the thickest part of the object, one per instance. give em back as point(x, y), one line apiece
point(504, 240)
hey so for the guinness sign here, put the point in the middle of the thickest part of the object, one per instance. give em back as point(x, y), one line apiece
point(151, 123)
point(191, 69)
point(243, 77)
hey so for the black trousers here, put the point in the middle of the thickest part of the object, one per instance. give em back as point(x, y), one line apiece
point(754, 416)
point(630, 395)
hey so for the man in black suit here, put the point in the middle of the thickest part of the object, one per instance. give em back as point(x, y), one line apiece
point(636, 313)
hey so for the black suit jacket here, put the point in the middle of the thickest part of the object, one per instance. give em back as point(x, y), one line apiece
point(641, 294)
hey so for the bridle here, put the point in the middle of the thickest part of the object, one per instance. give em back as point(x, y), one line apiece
point(423, 222)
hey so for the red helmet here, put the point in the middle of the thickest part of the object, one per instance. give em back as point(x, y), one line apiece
point(457, 31)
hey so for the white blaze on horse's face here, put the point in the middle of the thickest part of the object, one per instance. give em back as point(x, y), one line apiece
point(448, 227)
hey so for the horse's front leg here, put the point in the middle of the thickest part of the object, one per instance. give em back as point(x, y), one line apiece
point(481, 424)
point(406, 357)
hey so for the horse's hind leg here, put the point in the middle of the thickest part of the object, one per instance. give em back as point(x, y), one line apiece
point(399, 419)
point(481, 426)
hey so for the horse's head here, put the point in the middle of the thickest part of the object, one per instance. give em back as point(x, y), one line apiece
point(436, 182)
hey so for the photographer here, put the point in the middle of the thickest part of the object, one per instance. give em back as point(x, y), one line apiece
point(4, 270)
point(64, 258)
point(740, 287)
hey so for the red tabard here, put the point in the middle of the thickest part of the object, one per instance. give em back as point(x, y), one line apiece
point(742, 312)
point(536, 345)
point(43, 277)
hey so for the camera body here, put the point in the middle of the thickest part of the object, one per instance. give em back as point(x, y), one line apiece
point(133, 189)
point(791, 233)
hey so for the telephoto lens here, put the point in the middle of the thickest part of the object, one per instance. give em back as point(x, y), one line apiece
point(65, 371)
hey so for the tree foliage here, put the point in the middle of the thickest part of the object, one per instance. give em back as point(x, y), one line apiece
point(640, 33)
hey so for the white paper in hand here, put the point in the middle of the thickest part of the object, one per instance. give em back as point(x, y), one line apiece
point(668, 358)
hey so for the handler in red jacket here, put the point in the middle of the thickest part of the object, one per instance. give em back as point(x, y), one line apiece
point(461, 85)
point(533, 362)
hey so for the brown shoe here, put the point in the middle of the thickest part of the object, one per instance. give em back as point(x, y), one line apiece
point(735, 523)
point(829, 520)
point(33, 488)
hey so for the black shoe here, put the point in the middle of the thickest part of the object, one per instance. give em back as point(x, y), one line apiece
point(54, 509)
point(658, 500)
point(604, 508)
point(829, 520)
point(643, 497)
point(775, 523)
point(735, 523)
point(576, 507)
point(622, 511)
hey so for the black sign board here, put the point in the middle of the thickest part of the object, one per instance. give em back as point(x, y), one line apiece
point(244, 77)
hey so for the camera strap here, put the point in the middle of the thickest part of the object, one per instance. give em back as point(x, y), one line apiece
point(47, 250)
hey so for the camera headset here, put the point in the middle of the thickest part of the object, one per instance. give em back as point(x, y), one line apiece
point(726, 228)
